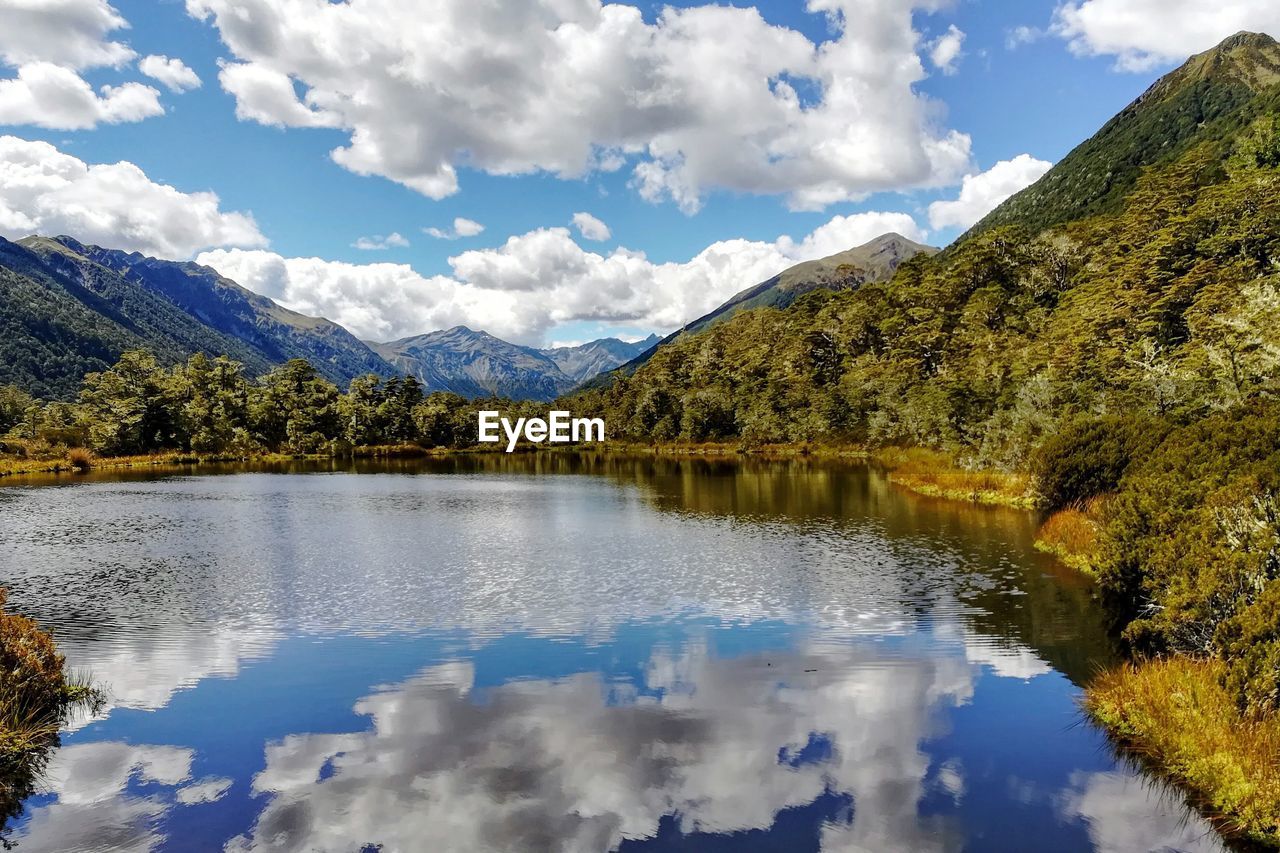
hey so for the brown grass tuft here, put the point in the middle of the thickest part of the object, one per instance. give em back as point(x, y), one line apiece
point(1074, 535)
point(80, 458)
point(1174, 715)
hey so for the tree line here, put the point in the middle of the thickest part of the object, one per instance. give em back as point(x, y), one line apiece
point(208, 406)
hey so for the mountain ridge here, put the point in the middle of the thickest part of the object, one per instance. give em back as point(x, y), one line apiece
point(1209, 98)
point(474, 363)
point(876, 260)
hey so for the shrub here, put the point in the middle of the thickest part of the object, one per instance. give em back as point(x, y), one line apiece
point(1089, 455)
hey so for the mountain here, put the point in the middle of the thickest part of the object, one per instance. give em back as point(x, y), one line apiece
point(1209, 99)
point(877, 260)
point(583, 362)
point(62, 316)
point(274, 334)
point(67, 309)
point(874, 261)
point(476, 364)
point(1076, 297)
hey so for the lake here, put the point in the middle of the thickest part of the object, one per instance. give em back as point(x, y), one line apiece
point(566, 653)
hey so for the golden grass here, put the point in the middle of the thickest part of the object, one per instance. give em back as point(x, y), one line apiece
point(80, 459)
point(36, 699)
point(11, 465)
point(1174, 715)
point(936, 474)
point(1074, 536)
point(389, 451)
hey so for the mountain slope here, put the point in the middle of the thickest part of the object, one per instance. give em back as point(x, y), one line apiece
point(876, 260)
point(62, 316)
point(476, 364)
point(583, 362)
point(270, 333)
point(1209, 99)
point(871, 262)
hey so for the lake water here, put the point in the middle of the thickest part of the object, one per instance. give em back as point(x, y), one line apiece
point(562, 653)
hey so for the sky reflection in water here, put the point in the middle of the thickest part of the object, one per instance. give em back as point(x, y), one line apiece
point(655, 657)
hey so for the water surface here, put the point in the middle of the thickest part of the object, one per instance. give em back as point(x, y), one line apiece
point(564, 653)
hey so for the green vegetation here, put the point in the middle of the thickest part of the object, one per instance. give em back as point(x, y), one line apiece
point(36, 697)
point(207, 408)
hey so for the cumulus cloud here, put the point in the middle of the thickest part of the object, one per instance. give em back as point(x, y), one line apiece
point(49, 42)
point(947, 49)
point(538, 280)
point(43, 190)
point(51, 96)
point(1143, 34)
point(174, 74)
point(699, 99)
point(71, 33)
point(1124, 812)
point(981, 193)
point(378, 243)
point(462, 227)
point(590, 227)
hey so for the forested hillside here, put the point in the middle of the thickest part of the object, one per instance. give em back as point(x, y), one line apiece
point(874, 261)
point(1118, 339)
point(271, 331)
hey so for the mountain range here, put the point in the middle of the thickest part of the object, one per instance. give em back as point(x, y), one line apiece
point(68, 309)
point(476, 364)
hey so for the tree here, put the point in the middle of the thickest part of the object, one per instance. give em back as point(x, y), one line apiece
point(133, 407)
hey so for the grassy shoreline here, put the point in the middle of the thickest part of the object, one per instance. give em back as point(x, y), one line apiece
point(1175, 718)
point(926, 472)
point(37, 697)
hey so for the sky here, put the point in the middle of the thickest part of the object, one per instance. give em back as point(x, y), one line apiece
point(551, 171)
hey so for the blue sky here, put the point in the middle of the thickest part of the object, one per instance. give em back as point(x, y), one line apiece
point(1038, 97)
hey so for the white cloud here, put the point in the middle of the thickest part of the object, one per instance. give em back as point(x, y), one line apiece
point(1022, 35)
point(537, 281)
point(1143, 34)
point(96, 794)
point(981, 193)
point(45, 191)
point(846, 232)
point(379, 243)
point(697, 100)
point(172, 73)
point(55, 97)
point(49, 42)
point(590, 227)
point(947, 50)
point(71, 33)
point(462, 227)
